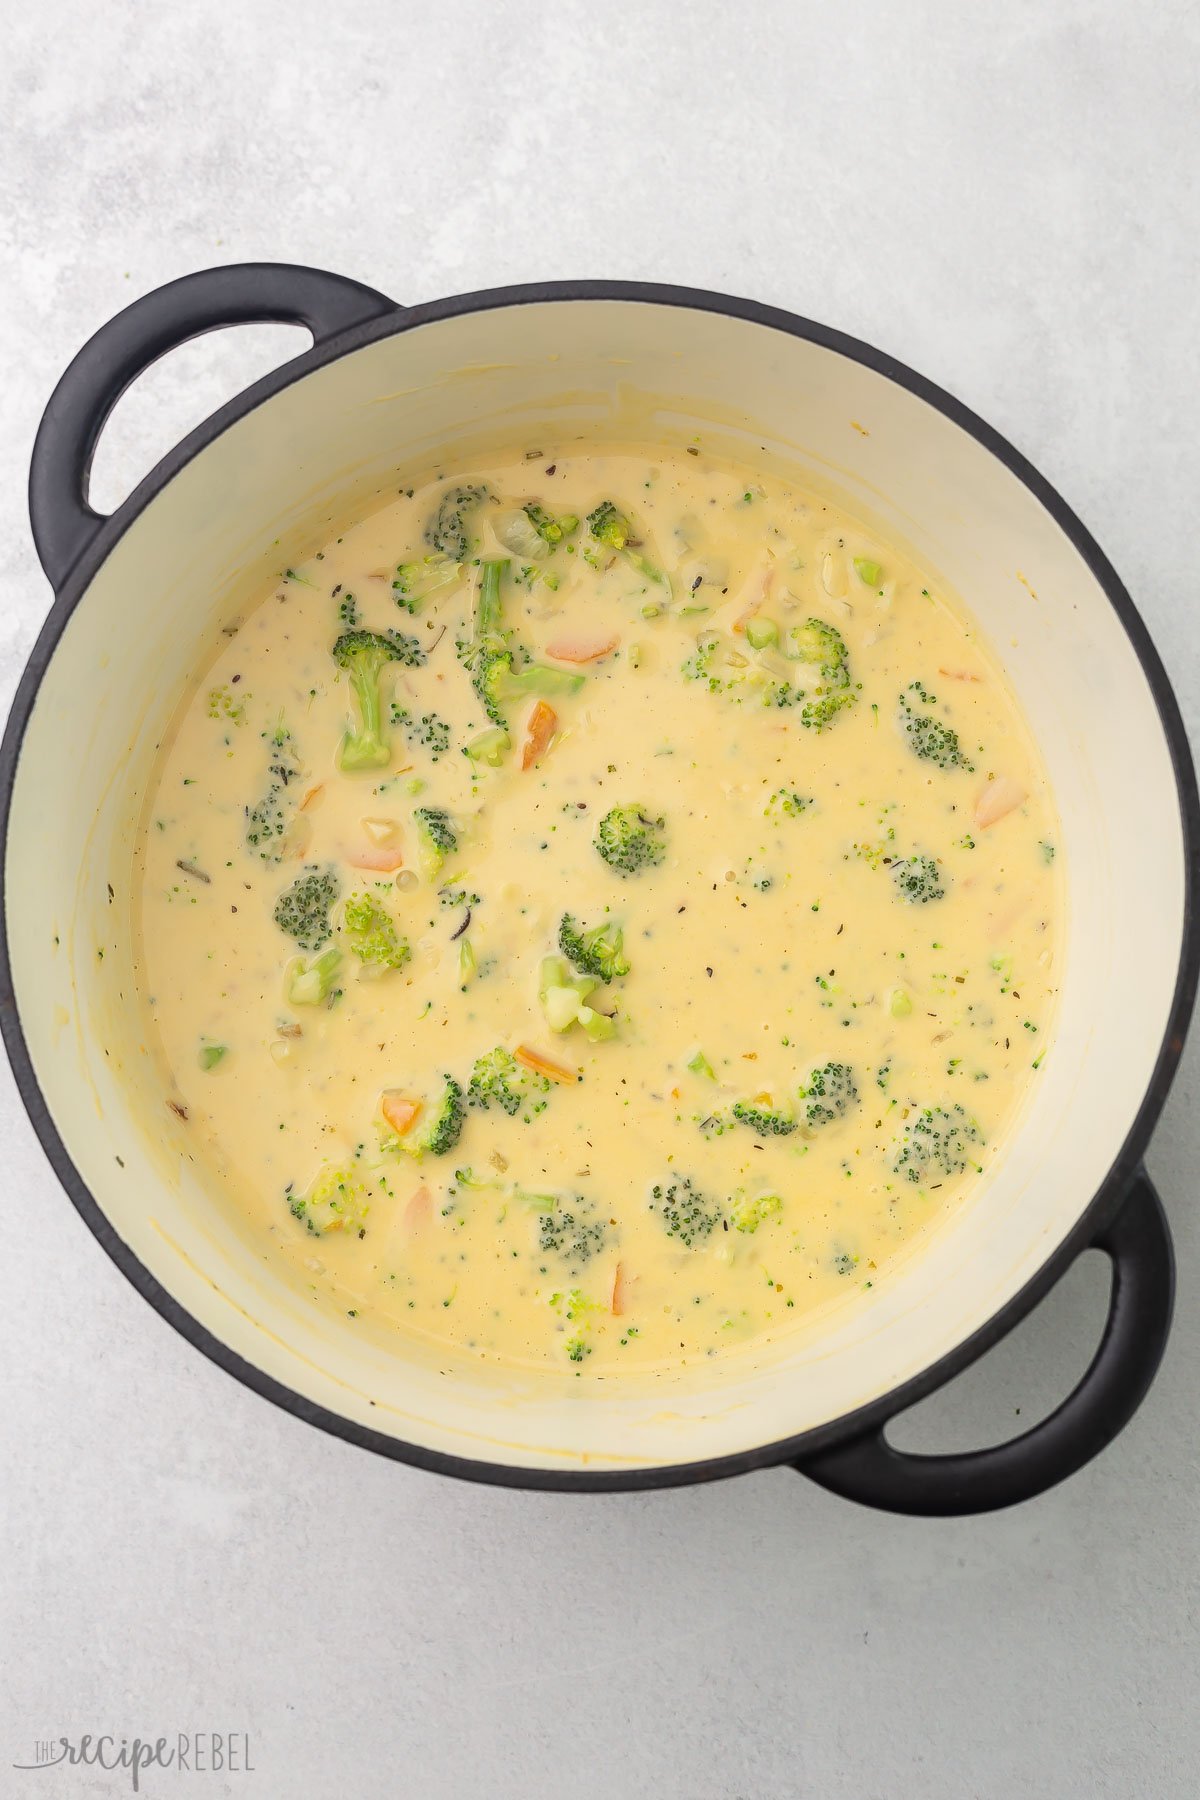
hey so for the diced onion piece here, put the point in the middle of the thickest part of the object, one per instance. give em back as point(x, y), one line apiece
point(997, 800)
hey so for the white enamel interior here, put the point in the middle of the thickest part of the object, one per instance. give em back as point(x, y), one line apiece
point(267, 490)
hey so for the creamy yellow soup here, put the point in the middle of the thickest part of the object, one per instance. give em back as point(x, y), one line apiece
point(598, 910)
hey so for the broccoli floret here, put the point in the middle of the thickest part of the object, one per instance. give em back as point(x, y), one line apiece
point(746, 1214)
point(267, 822)
point(829, 1093)
point(441, 1123)
point(609, 527)
point(303, 910)
point(533, 533)
point(785, 803)
point(222, 704)
point(447, 531)
point(927, 736)
point(936, 1142)
point(612, 531)
point(436, 837)
point(823, 645)
point(364, 655)
point(596, 952)
point(576, 1307)
point(701, 664)
point(568, 1231)
point(498, 1079)
point(552, 531)
point(371, 934)
point(630, 839)
point(308, 983)
point(564, 999)
point(415, 582)
point(768, 1121)
point(429, 732)
point(918, 880)
point(489, 654)
point(336, 1201)
point(686, 1213)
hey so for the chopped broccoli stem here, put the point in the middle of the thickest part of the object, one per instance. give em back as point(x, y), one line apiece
point(761, 633)
point(868, 570)
point(596, 952)
point(211, 1055)
point(700, 1065)
point(686, 1213)
point(449, 529)
point(630, 839)
point(564, 1001)
point(303, 909)
point(309, 982)
point(918, 880)
point(364, 655)
point(371, 934)
point(490, 747)
point(491, 660)
point(830, 1092)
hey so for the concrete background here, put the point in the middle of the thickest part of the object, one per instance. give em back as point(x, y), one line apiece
point(1005, 198)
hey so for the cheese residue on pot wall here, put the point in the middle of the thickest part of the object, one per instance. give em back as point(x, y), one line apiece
point(598, 911)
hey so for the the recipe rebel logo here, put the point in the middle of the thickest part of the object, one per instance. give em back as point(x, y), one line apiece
point(192, 1752)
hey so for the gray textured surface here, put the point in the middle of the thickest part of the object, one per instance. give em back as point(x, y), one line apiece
point(1005, 198)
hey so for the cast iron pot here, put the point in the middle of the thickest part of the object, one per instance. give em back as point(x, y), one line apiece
point(140, 599)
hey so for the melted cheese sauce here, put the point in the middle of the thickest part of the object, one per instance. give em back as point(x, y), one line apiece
point(841, 948)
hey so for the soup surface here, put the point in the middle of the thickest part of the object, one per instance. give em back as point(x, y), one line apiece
point(597, 910)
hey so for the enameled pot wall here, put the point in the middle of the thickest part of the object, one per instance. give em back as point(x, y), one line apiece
point(141, 600)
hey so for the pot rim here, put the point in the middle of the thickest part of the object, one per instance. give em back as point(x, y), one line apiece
point(1099, 1210)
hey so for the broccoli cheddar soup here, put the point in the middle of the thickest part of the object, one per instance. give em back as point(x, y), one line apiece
point(597, 911)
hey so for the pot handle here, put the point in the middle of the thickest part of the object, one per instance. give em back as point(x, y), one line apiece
point(1138, 1242)
point(239, 294)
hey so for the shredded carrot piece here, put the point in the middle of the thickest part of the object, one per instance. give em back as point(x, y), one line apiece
point(622, 1282)
point(960, 675)
point(314, 793)
point(542, 1065)
point(578, 647)
point(543, 723)
point(400, 1112)
point(382, 857)
point(419, 1210)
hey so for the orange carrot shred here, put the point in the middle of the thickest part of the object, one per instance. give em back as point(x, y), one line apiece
point(400, 1112)
point(543, 723)
point(542, 1065)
